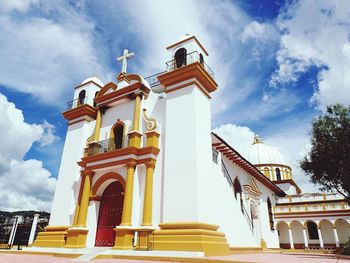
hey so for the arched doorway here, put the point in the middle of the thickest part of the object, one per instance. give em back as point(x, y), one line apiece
point(110, 214)
point(180, 58)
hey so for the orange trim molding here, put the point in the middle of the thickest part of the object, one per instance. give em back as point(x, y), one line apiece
point(193, 70)
point(187, 39)
point(106, 177)
point(80, 111)
point(128, 92)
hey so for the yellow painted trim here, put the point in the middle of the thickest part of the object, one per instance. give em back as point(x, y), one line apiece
point(129, 185)
point(152, 138)
point(136, 122)
point(123, 238)
point(76, 238)
point(148, 195)
point(54, 236)
point(188, 225)
point(97, 126)
point(135, 139)
point(84, 203)
point(190, 236)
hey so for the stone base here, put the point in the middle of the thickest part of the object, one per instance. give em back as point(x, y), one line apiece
point(76, 237)
point(190, 236)
point(124, 238)
point(53, 236)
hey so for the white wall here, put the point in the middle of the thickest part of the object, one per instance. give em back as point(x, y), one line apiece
point(68, 182)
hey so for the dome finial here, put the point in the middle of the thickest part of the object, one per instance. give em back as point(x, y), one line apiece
point(257, 139)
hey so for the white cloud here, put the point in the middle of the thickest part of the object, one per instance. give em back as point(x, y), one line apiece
point(20, 5)
point(24, 184)
point(239, 137)
point(258, 32)
point(316, 33)
point(46, 57)
point(48, 136)
point(164, 22)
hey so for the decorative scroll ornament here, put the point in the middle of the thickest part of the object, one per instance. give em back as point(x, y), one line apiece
point(90, 139)
point(252, 190)
point(151, 123)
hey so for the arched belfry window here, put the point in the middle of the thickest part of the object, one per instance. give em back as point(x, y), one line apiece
point(278, 174)
point(237, 188)
point(180, 58)
point(95, 98)
point(201, 59)
point(81, 97)
point(117, 134)
point(269, 208)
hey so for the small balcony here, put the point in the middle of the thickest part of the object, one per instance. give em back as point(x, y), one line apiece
point(178, 63)
point(102, 147)
point(76, 103)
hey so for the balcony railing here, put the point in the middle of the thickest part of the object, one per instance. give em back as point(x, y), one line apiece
point(101, 147)
point(75, 103)
point(153, 80)
point(190, 58)
point(308, 198)
point(172, 64)
point(312, 207)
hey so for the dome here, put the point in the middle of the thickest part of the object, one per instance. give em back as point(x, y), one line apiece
point(94, 79)
point(260, 153)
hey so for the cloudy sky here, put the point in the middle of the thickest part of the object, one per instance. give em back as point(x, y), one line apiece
point(278, 65)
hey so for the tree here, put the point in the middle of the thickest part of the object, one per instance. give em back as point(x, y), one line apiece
point(328, 162)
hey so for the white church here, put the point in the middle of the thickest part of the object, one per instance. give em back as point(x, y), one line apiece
point(142, 171)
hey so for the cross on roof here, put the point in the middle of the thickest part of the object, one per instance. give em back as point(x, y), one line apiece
point(124, 58)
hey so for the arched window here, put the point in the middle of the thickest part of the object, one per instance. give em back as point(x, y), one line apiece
point(278, 174)
point(312, 230)
point(117, 134)
point(286, 174)
point(180, 58)
point(201, 59)
point(95, 98)
point(269, 208)
point(81, 97)
point(237, 188)
point(267, 172)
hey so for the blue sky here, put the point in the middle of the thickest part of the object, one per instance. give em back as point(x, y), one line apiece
point(278, 65)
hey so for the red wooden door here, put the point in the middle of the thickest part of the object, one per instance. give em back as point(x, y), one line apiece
point(110, 214)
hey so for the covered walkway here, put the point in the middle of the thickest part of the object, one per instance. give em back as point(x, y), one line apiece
point(323, 233)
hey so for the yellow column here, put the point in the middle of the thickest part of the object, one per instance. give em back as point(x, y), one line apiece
point(97, 126)
point(135, 135)
point(84, 203)
point(136, 123)
point(129, 187)
point(148, 197)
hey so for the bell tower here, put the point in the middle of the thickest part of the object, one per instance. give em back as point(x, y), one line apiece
point(188, 83)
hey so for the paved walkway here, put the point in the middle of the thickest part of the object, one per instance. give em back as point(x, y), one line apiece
point(285, 258)
point(259, 257)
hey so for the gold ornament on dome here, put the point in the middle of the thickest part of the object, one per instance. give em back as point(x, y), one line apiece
point(151, 123)
point(257, 139)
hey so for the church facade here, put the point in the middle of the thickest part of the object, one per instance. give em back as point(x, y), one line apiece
point(141, 169)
